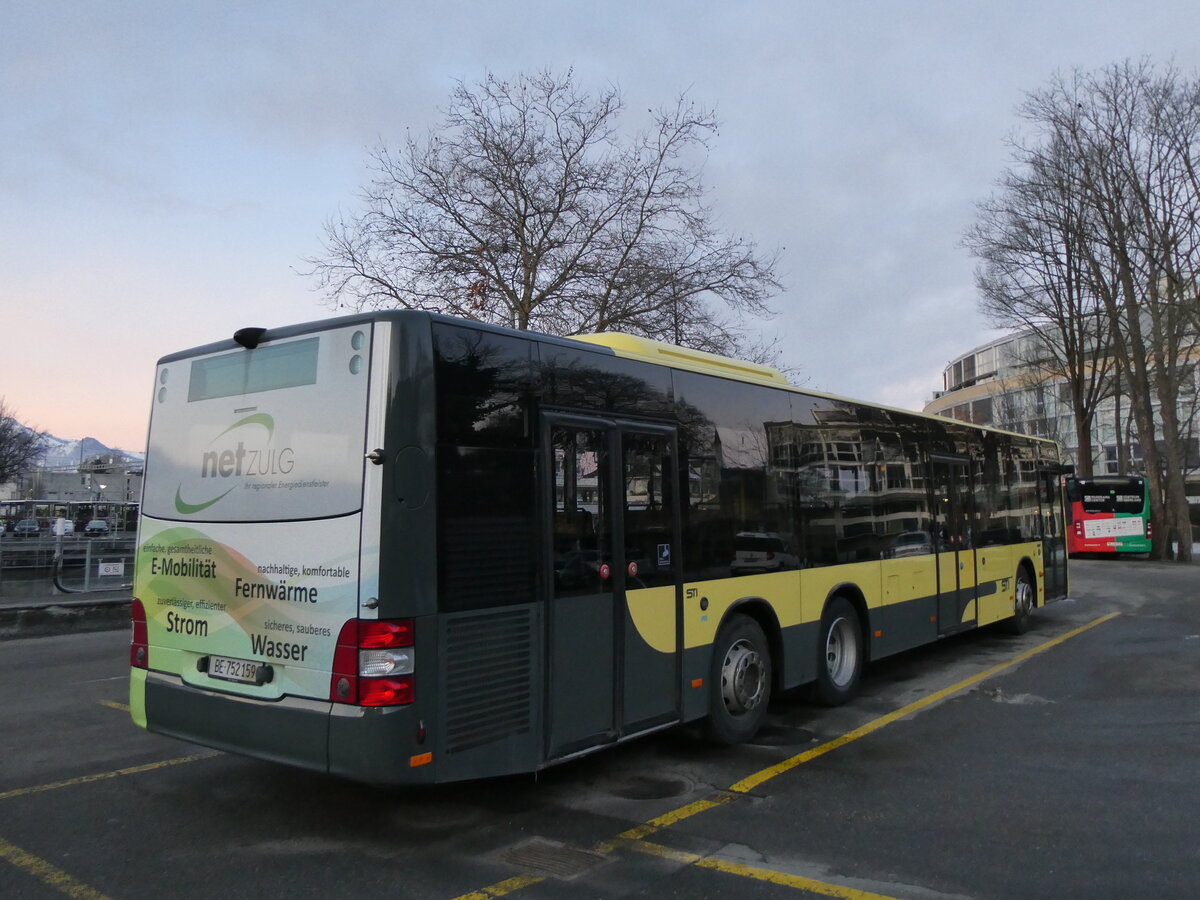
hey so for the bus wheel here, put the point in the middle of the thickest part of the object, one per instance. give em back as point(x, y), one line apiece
point(1023, 602)
point(740, 682)
point(840, 653)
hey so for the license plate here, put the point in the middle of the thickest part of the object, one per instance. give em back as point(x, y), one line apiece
point(227, 669)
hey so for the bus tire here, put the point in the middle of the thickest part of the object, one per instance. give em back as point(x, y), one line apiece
point(840, 653)
point(1023, 602)
point(740, 682)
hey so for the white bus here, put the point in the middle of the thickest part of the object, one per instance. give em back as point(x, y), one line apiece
point(405, 548)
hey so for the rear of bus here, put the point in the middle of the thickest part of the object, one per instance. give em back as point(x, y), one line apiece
point(1108, 514)
point(257, 625)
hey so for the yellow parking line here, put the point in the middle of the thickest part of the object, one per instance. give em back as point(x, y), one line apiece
point(103, 776)
point(786, 880)
point(46, 873)
point(666, 820)
point(729, 867)
point(633, 836)
point(652, 849)
point(113, 704)
point(750, 782)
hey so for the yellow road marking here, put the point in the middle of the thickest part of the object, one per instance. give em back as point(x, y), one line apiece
point(750, 782)
point(46, 873)
point(786, 880)
point(113, 704)
point(666, 820)
point(758, 873)
point(633, 836)
point(652, 849)
point(103, 776)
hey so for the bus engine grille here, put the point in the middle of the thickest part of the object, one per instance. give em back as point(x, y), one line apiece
point(489, 671)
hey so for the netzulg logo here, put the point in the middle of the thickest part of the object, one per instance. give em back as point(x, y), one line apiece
point(239, 462)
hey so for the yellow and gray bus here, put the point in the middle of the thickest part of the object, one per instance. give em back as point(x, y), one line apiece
point(405, 548)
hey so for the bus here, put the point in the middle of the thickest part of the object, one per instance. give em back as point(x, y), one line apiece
point(405, 548)
point(1108, 514)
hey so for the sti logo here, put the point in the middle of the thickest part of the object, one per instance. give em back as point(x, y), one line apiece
point(227, 461)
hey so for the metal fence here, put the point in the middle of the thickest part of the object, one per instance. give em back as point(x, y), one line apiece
point(42, 566)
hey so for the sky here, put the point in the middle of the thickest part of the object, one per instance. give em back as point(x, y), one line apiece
point(165, 168)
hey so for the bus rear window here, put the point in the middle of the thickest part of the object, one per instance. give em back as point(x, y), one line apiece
point(274, 433)
point(268, 368)
point(1110, 495)
point(1133, 503)
point(1097, 502)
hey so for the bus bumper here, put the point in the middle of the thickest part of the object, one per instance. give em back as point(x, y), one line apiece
point(378, 746)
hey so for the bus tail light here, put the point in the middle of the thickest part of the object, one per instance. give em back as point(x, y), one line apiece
point(139, 644)
point(385, 691)
point(1149, 530)
point(373, 663)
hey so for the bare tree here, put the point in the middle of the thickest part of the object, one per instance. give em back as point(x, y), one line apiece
point(528, 206)
point(1033, 241)
point(1132, 135)
point(20, 446)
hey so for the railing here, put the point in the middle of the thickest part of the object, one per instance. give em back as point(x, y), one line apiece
point(44, 565)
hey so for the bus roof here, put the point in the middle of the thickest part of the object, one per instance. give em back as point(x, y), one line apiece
point(624, 345)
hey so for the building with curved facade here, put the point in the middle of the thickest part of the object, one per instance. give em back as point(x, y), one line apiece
point(1001, 383)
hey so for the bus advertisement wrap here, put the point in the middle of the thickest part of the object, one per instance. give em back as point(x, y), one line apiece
point(253, 605)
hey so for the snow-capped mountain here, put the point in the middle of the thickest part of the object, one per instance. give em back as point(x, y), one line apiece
point(61, 452)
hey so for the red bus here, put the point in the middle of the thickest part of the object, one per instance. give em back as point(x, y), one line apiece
point(1108, 514)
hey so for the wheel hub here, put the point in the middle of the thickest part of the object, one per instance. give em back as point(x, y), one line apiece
point(1024, 598)
point(742, 678)
point(840, 652)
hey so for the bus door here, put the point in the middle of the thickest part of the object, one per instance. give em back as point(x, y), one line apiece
point(614, 590)
point(1054, 545)
point(954, 509)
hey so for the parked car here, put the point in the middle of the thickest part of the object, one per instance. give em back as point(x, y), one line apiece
point(95, 527)
point(912, 543)
point(62, 526)
point(762, 551)
point(26, 528)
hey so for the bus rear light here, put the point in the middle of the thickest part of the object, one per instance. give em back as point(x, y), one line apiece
point(385, 633)
point(373, 663)
point(385, 691)
point(139, 644)
point(1149, 530)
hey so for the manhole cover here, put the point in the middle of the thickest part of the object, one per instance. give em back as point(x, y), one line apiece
point(539, 856)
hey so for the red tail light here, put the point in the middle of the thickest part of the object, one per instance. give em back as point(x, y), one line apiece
point(373, 663)
point(139, 644)
point(1149, 531)
point(385, 633)
point(385, 691)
